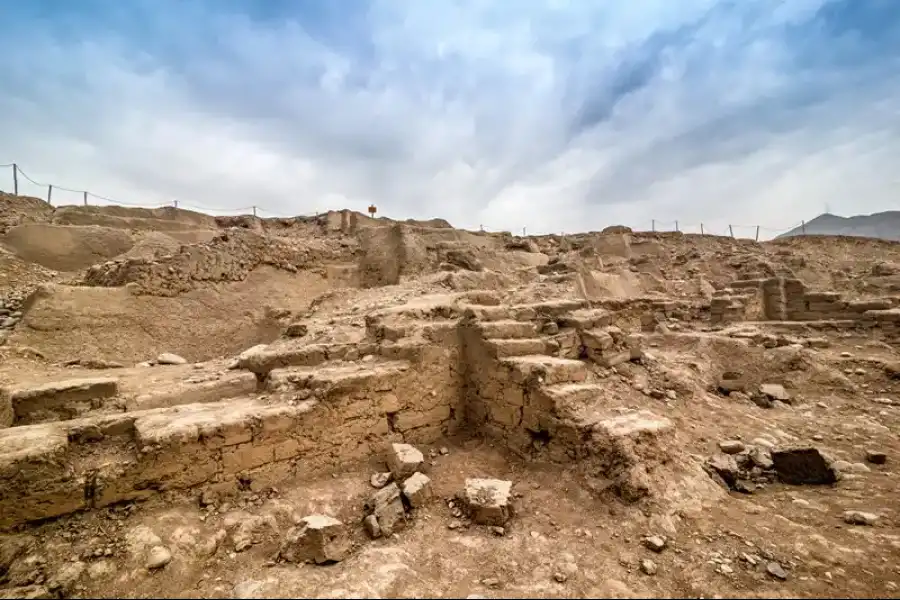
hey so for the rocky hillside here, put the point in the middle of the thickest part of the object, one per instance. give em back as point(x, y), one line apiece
point(882, 225)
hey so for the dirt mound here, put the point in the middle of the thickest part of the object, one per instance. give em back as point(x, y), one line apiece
point(15, 210)
point(65, 248)
point(70, 323)
point(119, 217)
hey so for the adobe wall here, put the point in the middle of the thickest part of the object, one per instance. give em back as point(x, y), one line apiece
point(230, 256)
point(788, 299)
point(310, 422)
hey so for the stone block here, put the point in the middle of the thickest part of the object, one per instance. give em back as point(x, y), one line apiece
point(799, 466)
point(488, 501)
point(387, 508)
point(417, 490)
point(403, 460)
point(318, 538)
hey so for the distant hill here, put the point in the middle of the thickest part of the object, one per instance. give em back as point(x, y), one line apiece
point(883, 225)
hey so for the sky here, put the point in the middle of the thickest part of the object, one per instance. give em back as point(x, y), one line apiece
point(542, 115)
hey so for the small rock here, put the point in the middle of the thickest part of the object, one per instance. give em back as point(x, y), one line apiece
point(387, 506)
point(776, 571)
point(379, 480)
point(725, 569)
point(403, 460)
point(417, 490)
point(876, 458)
point(857, 517)
point(763, 443)
point(655, 543)
point(488, 500)
point(158, 557)
point(648, 567)
point(560, 577)
point(732, 446)
point(372, 528)
point(66, 578)
point(444, 451)
point(804, 466)
point(318, 538)
point(296, 330)
point(167, 358)
point(498, 531)
point(671, 395)
point(775, 391)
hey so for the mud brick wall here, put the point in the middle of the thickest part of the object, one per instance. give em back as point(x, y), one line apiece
point(331, 418)
point(774, 302)
point(230, 256)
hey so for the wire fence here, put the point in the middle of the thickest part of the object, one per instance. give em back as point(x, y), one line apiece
point(24, 185)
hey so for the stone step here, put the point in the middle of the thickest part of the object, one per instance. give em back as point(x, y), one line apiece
point(547, 309)
point(220, 386)
point(565, 395)
point(53, 400)
point(264, 358)
point(585, 319)
point(507, 329)
point(503, 348)
point(340, 377)
point(549, 369)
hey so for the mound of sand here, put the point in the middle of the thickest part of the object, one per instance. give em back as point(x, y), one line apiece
point(15, 210)
point(69, 323)
point(65, 248)
point(145, 219)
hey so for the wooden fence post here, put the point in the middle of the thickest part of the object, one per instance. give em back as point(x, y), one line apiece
point(49, 193)
point(731, 231)
point(85, 198)
point(701, 228)
point(676, 225)
point(757, 233)
point(15, 179)
point(653, 225)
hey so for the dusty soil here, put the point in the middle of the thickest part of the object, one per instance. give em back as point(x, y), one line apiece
point(166, 282)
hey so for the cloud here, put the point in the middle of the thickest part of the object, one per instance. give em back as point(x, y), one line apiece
point(548, 115)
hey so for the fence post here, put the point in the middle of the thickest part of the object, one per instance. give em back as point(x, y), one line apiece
point(15, 179)
point(701, 228)
point(49, 193)
point(523, 231)
point(731, 231)
point(803, 226)
point(676, 225)
point(757, 233)
point(175, 203)
point(85, 198)
point(653, 225)
point(254, 211)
